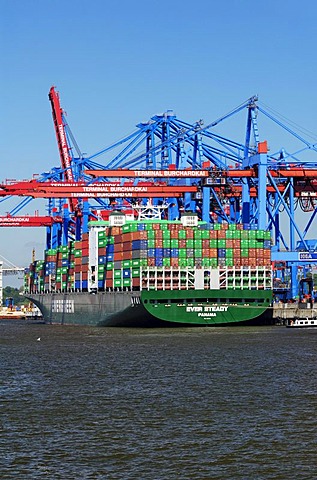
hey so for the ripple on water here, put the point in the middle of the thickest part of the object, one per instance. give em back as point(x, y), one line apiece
point(157, 404)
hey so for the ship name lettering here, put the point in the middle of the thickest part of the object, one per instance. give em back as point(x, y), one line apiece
point(222, 308)
point(194, 309)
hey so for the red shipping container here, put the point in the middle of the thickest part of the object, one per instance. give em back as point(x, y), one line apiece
point(189, 233)
point(135, 282)
point(117, 256)
point(126, 246)
point(221, 234)
point(205, 243)
point(127, 255)
point(118, 247)
point(182, 243)
point(174, 262)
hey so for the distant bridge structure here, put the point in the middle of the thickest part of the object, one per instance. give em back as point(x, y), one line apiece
point(7, 268)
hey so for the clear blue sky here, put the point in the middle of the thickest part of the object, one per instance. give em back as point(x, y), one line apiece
point(118, 63)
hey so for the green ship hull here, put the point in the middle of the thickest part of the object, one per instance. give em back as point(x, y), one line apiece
point(156, 308)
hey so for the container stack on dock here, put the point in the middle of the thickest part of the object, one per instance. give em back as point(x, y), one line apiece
point(153, 254)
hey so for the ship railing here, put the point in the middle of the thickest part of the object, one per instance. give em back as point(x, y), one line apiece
point(163, 278)
point(245, 277)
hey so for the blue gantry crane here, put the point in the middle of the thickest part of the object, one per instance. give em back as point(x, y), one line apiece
point(191, 167)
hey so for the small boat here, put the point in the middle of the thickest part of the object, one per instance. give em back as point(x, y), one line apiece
point(302, 323)
point(11, 314)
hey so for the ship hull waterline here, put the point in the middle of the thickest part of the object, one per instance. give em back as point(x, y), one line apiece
point(156, 309)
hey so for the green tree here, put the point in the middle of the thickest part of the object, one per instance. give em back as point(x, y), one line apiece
point(11, 292)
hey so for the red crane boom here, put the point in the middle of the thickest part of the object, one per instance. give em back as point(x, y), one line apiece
point(63, 147)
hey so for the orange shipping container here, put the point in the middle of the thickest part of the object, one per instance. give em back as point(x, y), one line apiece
point(117, 256)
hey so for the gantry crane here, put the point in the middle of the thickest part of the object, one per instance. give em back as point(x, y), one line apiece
point(193, 167)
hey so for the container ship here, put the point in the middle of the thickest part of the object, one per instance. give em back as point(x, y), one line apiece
point(154, 273)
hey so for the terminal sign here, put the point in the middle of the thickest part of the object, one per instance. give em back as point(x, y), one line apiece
point(307, 256)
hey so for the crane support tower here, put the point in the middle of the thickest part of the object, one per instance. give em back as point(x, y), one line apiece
point(189, 167)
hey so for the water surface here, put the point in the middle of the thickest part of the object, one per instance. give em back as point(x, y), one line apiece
point(197, 403)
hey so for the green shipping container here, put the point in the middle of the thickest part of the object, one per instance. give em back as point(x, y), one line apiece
point(130, 227)
point(109, 266)
point(229, 262)
point(189, 243)
point(110, 240)
point(206, 262)
point(135, 272)
point(127, 263)
point(182, 252)
point(117, 273)
point(117, 282)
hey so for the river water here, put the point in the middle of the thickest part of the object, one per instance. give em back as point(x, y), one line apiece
point(204, 403)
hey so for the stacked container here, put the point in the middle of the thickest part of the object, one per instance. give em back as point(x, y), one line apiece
point(155, 254)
